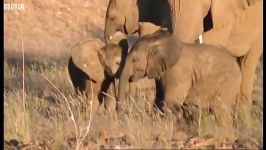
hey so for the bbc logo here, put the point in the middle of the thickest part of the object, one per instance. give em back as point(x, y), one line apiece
point(14, 6)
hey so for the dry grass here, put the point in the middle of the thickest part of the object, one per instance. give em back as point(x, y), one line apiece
point(48, 123)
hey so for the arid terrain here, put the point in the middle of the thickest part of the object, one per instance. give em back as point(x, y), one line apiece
point(42, 111)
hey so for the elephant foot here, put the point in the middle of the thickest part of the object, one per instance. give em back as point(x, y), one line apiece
point(118, 107)
point(111, 114)
point(191, 115)
point(243, 117)
point(110, 104)
point(100, 109)
point(224, 120)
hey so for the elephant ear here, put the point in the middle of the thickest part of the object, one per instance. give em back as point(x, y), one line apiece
point(85, 57)
point(131, 19)
point(146, 28)
point(162, 57)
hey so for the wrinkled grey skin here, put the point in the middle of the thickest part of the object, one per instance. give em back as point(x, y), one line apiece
point(184, 72)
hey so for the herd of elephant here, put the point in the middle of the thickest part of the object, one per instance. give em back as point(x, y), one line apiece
point(166, 54)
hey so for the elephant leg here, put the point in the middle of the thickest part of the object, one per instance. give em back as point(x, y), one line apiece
point(110, 100)
point(107, 95)
point(248, 67)
point(159, 97)
point(222, 113)
point(243, 118)
point(191, 113)
point(175, 93)
point(174, 100)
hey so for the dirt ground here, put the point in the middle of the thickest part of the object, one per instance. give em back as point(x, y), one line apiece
point(41, 118)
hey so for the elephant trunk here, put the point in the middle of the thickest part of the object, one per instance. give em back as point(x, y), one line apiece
point(123, 87)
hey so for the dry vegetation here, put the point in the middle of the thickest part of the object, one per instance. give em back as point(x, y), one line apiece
point(50, 28)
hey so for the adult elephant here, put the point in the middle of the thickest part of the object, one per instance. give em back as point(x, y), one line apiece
point(243, 38)
point(232, 21)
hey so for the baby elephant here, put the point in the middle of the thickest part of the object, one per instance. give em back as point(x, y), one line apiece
point(184, 72)
point(87, 74)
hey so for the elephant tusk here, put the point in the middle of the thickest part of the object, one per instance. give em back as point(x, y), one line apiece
point(110, 37)
point(200, 39)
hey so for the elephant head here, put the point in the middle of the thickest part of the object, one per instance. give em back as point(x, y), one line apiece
point(121, 16)
point(161, 50)
point(111, 57)
point(150, 56)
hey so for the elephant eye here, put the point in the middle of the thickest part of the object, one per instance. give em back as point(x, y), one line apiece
point(117, 61)
point(134, 60)
point(112, 18)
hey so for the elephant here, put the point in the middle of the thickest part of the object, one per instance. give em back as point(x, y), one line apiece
point(87, 74)
point(124, 16)
point(184, 72)
point(234, 24)
point(243, 38)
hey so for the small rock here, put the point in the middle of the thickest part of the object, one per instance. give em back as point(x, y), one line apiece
point(126, 139)
point(103, 135)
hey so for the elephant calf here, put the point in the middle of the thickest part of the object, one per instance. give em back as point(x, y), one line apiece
point(184, 72)
point(86, 72)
